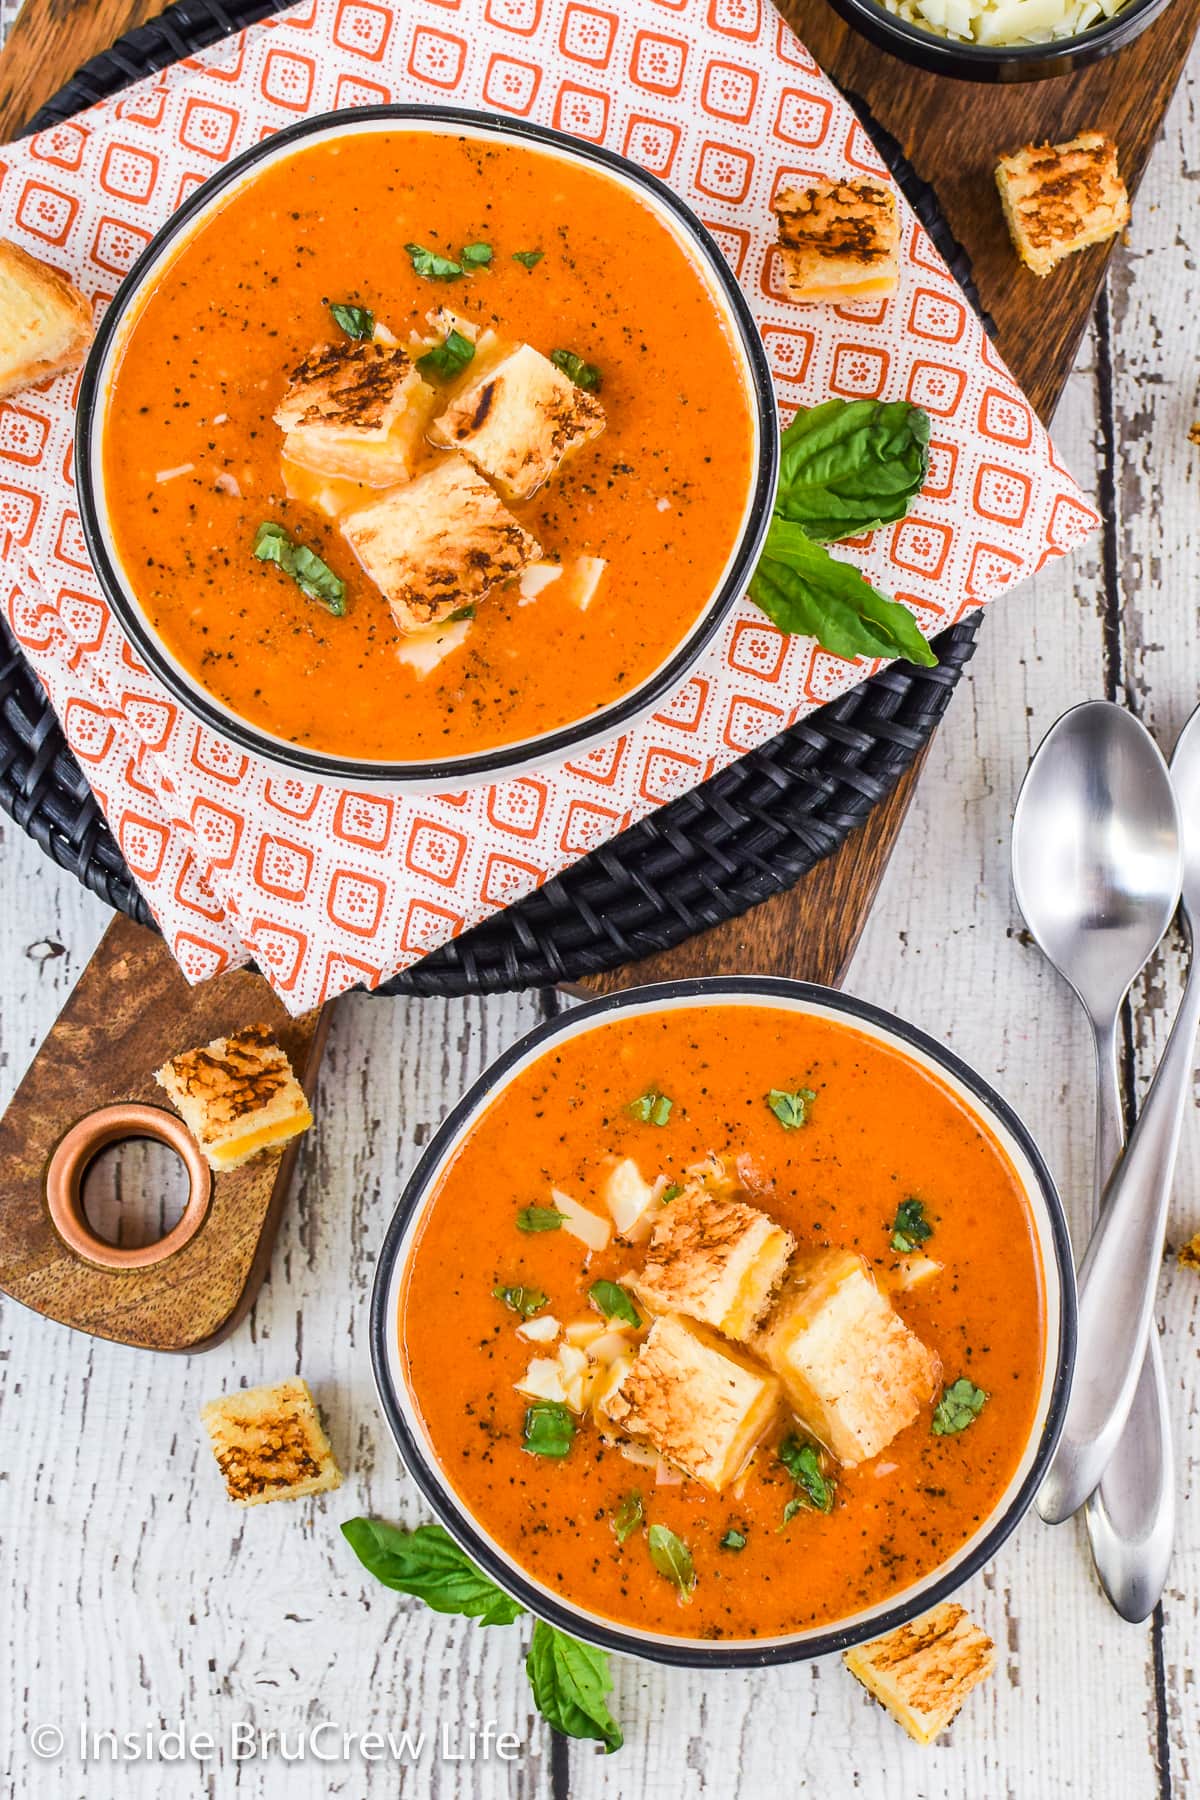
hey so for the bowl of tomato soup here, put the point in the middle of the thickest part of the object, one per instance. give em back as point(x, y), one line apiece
point(421, 446)
point(727, 1322)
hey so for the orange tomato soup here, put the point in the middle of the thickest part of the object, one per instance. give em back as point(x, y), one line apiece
point(192, 455)
point(879, 1130)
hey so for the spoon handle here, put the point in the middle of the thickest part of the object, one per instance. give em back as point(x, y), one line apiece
point(1131, 1516)
point(1119, 1275)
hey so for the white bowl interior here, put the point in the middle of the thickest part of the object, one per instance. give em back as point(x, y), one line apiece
point(351, 771)
point(1040, 1215)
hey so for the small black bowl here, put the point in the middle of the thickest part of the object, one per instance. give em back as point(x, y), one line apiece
point(997, 62)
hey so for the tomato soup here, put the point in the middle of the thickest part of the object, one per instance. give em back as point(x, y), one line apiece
point(192, 463)
point(836, 1137)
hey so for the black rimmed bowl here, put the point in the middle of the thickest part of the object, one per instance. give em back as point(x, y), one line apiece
point(401, 1406)
point(548, 748)
point(997, 62)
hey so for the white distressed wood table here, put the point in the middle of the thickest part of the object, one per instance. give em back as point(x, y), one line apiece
point(133, 1595)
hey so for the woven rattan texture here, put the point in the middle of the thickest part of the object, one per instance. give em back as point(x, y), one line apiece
point(750, 832)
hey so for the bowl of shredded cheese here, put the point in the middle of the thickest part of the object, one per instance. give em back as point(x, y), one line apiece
point(1000, 40)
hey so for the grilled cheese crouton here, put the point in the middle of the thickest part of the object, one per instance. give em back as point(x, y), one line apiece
point(356, 411)
point(717, 1260)
point(518, 422)
point(439, 544)
point(270, 1445)
point(237, 1096)
point(45, 322)
point(838, 240)
point(923, 1672)
point(702, 1407)
point(1189, 1255)
point(854, 1372)
point(1059, 198)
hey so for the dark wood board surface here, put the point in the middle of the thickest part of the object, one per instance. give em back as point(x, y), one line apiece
point(952, 132)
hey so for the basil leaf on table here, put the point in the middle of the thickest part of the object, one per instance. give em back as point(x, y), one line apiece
point(428, 1564)
point(802, 588)
point(848, 467)
point(571, 1683)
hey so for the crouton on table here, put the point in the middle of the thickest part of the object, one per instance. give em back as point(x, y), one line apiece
point(45, 322)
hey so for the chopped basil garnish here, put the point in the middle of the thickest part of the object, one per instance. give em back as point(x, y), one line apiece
point(448, 358)
point(311, 575)
point(791, 1109)
point(959, 1406)
point(355, 321)
point(571, 1682)
point(539, 1218)
point(531, 258)
point(432, 266)
point(628, 1516)
point(672, 1558)
point(462, 613)
point(523, 1300)
point(476, 256)
point(910, 1227)
point(733, 1539)
point(652, 1108)
point(583, 374)
point(549, 1428)
point(610, 1298)
point(671, 1193)
point(803, 1463)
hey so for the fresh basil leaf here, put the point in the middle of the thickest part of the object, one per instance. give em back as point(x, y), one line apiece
point(849, 466)
point(523, 1300)
point(610, 1298)
point(429, 1564)
point(448, 358)
point(531, 258)
point(539, 1218)
point(910, 1226)
point(671, 1193)
point(672, 1558)
point(959, 1406)
point(790, 1510)
point(355, 321)
point(476, 256)
point(652, 1108)
point(432, 266)
point(804, 589)
point(803, 1463)
point(628, 1516)
point(549, 1429)
point(571, 1682)
point(733, 1539)
point(791, 1109)
point(311, 574)
point(583, 374)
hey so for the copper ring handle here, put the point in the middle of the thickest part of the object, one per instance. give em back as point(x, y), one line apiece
point(80, 1147)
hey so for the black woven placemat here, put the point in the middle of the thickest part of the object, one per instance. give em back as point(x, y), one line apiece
point(750, 832)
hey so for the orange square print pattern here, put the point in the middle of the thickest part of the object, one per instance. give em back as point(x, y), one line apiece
point(326, 889)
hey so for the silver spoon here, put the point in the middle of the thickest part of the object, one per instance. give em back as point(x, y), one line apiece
point(1097, 869)
point(1118, 1277)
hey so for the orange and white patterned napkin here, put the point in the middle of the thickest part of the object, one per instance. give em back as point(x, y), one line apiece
point(325, 889)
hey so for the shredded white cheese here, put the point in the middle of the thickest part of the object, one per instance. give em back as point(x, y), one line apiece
point(170, 474)
point(1003, 22)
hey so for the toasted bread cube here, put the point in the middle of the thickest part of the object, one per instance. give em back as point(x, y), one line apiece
point(716, 1260)
point(838, 240)
point(924, 1671)
point(1059, 198)
point(854, 1372)
point(701, 1406)
point(357, 411)
point(45, 322)
point(270, 1445)
point(1189, 1254)
point(237, 1096)
point(439, 544)
point(518, 422)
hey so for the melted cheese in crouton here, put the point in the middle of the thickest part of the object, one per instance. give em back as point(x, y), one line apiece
point(237, 1096)
point(439, 544)
point(717, 1260)
point(838, 240)
point(357, 411)
point(923, 1672)
point(701, 1406)
point(849, 1365)
point(45, 322)
point(1059, 198)
point(269, 1444)
point(518, 422)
